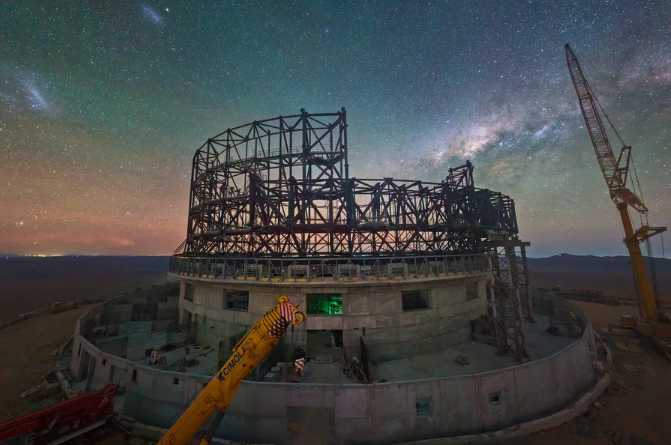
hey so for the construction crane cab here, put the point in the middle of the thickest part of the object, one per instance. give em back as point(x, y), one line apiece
point(616, 171)
point(246, 355)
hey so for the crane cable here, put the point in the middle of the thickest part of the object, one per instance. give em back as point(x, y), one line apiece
point(653, 274)
point(298, 338)
point(298, 344)
point(638, 190)
point(604, 112)
point(663, 254)
point(639, 193)
point(636, 184)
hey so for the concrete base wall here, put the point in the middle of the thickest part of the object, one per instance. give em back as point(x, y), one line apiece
point(116, 346)
point(357, 414)
point(381, 413)
point(113, 314)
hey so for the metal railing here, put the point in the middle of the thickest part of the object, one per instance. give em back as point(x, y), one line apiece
point(328, 269)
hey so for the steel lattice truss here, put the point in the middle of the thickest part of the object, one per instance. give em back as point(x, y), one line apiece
point(281, 188)
point(511, 299)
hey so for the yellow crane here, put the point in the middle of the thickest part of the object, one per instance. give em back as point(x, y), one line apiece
point(218, 394)
point(652, 320)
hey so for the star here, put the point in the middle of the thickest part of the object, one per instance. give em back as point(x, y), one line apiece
point(104, 107)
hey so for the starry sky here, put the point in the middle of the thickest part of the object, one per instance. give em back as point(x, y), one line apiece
point(102, 105)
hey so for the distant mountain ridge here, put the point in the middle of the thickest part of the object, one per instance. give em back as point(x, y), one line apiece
point(611, 274)
point(72, 265)
point(29, 283)
point(566, 261)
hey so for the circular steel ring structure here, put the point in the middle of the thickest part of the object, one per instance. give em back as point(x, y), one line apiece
point(280, 187)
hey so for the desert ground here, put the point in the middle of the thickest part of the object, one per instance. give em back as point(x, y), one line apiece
point(30, 283)
point(611, 275)
point(26, 349)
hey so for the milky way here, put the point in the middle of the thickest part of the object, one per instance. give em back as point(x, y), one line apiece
point(102, 105)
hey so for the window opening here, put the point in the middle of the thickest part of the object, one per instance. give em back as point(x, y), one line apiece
point(324, 304)
point(189, 290)
point(236, 300)
point(471, 291)
point(423, 406)
point(495, 398)
point(415, 299)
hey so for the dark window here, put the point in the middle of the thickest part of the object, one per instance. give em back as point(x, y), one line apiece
point(495, 398)
point(415, 299)
point(337, 338)
point(175, 381)
point(471, 291)
point(236, 300)
point(134, 378)
point(104, 361)
point(423, 406)
point(189, 290)
point(324, 304)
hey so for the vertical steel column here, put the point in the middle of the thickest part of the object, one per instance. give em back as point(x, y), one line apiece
point(344, 140)
point(505, 296)
point(523, 275)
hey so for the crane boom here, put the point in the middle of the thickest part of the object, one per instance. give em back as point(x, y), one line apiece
point(218, 394)
point(616, 173)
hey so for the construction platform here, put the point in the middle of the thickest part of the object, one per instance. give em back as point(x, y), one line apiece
point(414, 396)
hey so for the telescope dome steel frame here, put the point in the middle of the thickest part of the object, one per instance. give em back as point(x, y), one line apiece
point(280, 187)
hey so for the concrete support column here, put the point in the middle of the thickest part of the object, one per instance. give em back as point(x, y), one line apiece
point(91, 371)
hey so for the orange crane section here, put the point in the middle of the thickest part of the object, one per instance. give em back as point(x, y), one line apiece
point(247, 354)
point(616, 173)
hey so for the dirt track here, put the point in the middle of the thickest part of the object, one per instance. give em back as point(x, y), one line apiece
point(26, 349)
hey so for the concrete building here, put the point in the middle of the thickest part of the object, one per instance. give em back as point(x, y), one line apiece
point(397, 319)
point(417, 393)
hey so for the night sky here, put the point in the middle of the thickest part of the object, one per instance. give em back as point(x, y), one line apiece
point(102, 105)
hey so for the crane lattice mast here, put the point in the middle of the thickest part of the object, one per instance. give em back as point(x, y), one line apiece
point(616, 173)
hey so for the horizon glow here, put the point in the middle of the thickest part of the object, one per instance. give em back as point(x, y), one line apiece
point(103, 105)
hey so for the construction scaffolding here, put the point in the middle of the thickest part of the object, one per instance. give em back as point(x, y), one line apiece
point(273, 200)
point(281, 188)
point(508, 294)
